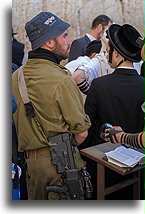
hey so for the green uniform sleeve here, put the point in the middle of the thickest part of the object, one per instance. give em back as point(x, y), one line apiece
point(71, 105)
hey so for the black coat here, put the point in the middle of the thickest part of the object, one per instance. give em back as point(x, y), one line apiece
point(78, 48)
point(116, 99)
point(17, 52)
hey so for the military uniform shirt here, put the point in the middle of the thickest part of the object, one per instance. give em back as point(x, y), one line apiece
point(57, 102)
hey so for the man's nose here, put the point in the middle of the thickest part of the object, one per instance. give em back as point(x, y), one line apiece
point(69, 41)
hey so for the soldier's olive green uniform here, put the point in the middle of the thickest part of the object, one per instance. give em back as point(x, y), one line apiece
point(59, 108)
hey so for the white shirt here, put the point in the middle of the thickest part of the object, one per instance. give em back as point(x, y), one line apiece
point(95, 67)
point(125, 67)
point(90, 37)
point(98, 66)
point(75, 64)
point(90, 66)
point(137, 66)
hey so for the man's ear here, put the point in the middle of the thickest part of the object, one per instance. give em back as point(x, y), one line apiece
point(99, 27)
point(116, 53)
point(142, 52)
point(49, 43)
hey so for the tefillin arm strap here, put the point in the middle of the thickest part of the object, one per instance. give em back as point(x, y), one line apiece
point(30, 112)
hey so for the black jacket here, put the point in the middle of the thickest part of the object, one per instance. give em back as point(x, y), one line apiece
point(78, 48)
point(17, 52)
point(116, 99)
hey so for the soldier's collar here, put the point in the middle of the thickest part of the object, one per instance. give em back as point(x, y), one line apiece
point(41, 53)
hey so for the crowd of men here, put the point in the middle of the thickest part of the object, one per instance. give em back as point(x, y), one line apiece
point(60, 109)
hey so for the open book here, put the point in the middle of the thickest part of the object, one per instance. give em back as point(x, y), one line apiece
point(125, 157)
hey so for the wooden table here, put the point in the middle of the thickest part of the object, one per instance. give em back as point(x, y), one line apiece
point(97, 154)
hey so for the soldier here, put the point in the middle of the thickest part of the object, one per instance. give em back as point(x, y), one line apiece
point(56, 100)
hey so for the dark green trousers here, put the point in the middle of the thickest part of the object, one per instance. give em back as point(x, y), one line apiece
point(41, 172)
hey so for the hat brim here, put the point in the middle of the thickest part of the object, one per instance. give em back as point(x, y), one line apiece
point(111, 34)
point(57, 31)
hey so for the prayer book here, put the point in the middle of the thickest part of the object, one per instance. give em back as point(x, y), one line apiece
point(125, 157)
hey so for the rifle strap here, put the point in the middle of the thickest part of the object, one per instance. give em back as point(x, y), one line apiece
point(30, 111)
point(22, 86)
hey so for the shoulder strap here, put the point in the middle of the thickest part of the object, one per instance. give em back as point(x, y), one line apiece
point(30, 111)
point(22, 86)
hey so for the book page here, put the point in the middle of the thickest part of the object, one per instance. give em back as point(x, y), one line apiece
point(126, 156)
point(130, 152)
point(128, 161)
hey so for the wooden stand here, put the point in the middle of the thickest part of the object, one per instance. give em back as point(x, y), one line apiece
point(97, 154)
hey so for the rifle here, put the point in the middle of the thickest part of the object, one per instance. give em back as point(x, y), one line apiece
point(76, 185)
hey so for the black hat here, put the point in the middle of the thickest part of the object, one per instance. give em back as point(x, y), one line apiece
point(125, 40)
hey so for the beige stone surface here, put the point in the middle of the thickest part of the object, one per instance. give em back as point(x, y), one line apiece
point(79, 13)
point(133, 13)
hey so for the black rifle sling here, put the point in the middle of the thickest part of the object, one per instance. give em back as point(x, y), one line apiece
point(30, 112)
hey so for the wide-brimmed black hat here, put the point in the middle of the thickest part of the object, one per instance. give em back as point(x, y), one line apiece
point(125, 40)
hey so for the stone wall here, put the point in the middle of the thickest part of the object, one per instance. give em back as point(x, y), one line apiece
point(79, 13)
